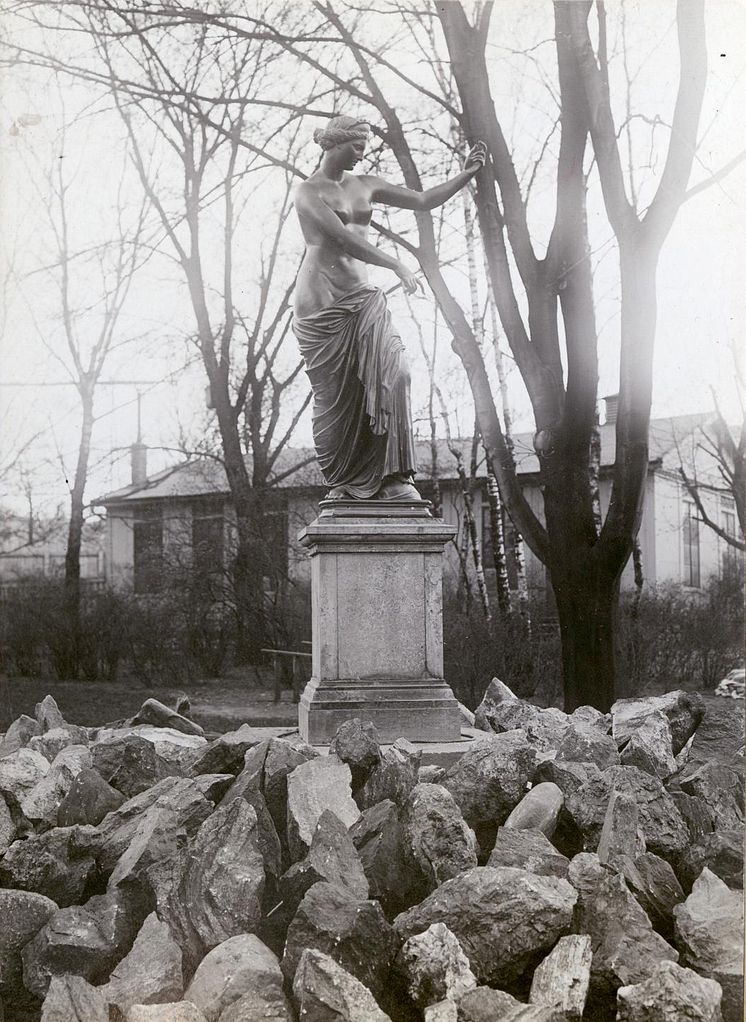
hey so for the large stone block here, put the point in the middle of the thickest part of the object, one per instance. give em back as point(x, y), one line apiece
point(376, 584)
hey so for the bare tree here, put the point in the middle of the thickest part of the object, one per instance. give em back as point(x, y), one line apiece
point(724, 449)
point(329, 40)
point(93, 280)
point(241, 341)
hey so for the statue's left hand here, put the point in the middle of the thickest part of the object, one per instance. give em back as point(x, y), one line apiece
point(477, 157)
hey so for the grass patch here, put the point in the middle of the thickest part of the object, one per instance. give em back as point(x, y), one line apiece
point(219, 705)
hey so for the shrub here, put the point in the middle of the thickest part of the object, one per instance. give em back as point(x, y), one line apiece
point(681, 639)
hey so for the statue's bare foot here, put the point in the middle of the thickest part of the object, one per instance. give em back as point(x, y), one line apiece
point(398, 487)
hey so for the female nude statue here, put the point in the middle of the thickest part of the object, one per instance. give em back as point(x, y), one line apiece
point(362, 424)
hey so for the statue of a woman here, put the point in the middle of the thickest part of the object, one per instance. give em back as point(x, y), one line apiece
point(362, 423)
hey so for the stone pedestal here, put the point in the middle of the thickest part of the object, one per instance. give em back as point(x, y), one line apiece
point(376, 575)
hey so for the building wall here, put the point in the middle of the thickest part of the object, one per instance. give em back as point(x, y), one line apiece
point(672, 501)
point(120, 547)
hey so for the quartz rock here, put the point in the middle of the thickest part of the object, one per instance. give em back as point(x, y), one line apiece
point(722, 790)
point(317, 785)
point(620, 833)
point(20, 772)
point(332, 858)
point(88, 800)
point(323, 990)
point(23, 914)
point(656, 887)
point(587, 744)
point(661, 823)
point(226, 754)
point(650, 747)
point(505, 919)
point(242, 967)
point(72, 999)
point(357, 743)
point(42, 802)
point(354, 932)
point(437, 836)
point(18, 735)
point(384, 853)
point(670, 994)
point(130, 763)
point(179, 1011)
point(529, 850)
point(561, 981)
point(48, 714)
point(625, 946)
point(491, 778)
point(58, 863)
point(684, 711)
point(496, 692)
point(220, 891)
point(435, 966)
point(393, 777)
point(182, 798)
point(708, 930)
point(721, 852)
point(151, 972)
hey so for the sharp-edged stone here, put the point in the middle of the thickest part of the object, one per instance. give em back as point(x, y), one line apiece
point(684, 711)
point(530, 850)
point(650, 747)
point(357, 744)
point(72, 999)
point(323, 990)
point(393, 777)
point(151, 972)
point(437, 836)
point(354, 932)
point(670, 994)
point(709, 933)
point(561, 981)
point(505, 919)
point(435, 967)
point(620, 832)
point(491, 778)
point(241, 968)
point(314, 786)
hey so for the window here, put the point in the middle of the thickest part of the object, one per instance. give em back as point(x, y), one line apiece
point(691, 545)
point(273, 531)
point(148, 549)
point(729, 559)
point(208, 545)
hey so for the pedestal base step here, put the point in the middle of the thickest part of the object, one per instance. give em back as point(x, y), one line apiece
point(417, 709)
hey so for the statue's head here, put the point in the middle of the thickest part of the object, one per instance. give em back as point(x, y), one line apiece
point(341, 131)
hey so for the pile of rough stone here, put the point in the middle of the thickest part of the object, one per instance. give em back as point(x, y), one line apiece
point(565, 867)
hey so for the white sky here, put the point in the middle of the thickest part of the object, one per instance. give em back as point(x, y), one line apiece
point(701, 275)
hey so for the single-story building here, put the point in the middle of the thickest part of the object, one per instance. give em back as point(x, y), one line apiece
point(183, 514)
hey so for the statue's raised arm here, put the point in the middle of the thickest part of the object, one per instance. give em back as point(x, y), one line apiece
point(362, 423)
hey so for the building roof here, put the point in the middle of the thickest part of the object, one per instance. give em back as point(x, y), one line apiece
point(297, 467)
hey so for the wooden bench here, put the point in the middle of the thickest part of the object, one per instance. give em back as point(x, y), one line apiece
point(279, 659)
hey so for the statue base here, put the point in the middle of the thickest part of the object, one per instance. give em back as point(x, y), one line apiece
point(377, 622)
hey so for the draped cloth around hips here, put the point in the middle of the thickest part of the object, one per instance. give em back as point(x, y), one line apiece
point(362, 423)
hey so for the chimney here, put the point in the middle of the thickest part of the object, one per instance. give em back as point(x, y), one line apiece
point(138, 451)
point(139, 463)
point(612, 405)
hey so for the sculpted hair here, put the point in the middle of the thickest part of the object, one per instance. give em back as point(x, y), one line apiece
point(340, 130)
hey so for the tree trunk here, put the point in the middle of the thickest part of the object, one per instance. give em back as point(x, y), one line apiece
point(497, 536)
point(586, 604)
point(67, 660)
